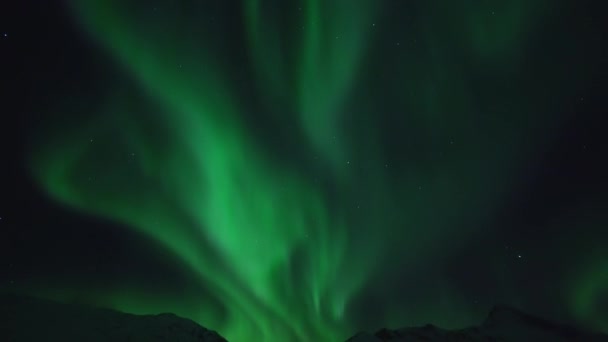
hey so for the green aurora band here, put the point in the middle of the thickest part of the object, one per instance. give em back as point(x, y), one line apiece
point(255, 148)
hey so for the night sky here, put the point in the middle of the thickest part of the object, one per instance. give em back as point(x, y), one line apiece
point(303, 170)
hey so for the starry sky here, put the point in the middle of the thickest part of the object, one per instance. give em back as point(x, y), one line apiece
point(303, 170)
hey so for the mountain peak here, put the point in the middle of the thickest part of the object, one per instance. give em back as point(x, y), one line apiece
point(503, 323)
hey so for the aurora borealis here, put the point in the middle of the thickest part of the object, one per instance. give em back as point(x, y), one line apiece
point(302, 170)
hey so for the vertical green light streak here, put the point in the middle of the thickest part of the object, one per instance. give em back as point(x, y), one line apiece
point(286, 254)
point(212, 197)
point(329, 42)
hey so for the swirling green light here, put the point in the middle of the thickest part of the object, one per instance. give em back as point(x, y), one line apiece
point(282, 244)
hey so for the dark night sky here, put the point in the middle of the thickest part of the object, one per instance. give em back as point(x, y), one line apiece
point(299, 171)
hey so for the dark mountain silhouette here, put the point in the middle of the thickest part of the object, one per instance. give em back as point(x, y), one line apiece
point(503, 324)
point(25, 319)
